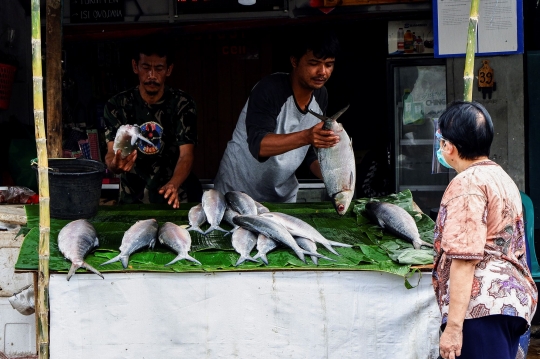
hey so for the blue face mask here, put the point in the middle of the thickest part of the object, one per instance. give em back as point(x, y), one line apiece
point(441, 159)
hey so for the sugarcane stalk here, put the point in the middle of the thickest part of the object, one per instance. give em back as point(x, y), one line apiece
point(43, 184)
point(468, 76)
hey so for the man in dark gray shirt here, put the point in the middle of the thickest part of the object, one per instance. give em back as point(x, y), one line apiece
point(275, 132)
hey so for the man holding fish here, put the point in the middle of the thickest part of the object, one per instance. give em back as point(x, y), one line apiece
point(275, 132)
point(482, 283)
point(151, 133)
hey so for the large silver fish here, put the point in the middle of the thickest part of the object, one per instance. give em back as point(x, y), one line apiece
point(397, 221)
point(300, 228)
point(261, 208)
point(126, 139)
point(214, 206)
point(143, 233)
point(178, 239)
point(75, 240)
point(228, 217)
point(243, 242)
point(241, 202)
point(272, 230)
point(337, 163)
point(309, 245)
point(264, 245)
point(196, 218)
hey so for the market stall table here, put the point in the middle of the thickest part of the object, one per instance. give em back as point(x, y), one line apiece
point(355, 306)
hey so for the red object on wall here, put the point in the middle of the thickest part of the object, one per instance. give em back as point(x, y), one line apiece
point(7, 76)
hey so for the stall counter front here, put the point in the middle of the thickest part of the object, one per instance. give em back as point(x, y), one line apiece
point(257, 314)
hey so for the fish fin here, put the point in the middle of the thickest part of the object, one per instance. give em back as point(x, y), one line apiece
point(240, 260)
point(328, 259)
point(315, 254)
point(216, 228)
point(142, 138)
point(351, 180)
point(339, 113)
point(124, 260)
point(72, 270)
point(249, 258)
point(196, 229)
point(418, 244)
point(320, 117)
point(315, 260)
point(91, 269)
point(329, 247)
point(152, 243)
point(262, 257)
point(112, 260)
point(300, 255)
point(381, 223)
point(190, 258)
point(339, 244)
point(183, 256)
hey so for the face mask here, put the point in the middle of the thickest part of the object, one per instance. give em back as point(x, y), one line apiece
point(441, 159)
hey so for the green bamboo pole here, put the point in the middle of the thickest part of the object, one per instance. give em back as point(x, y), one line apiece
point(43, 183)
point(468, 76)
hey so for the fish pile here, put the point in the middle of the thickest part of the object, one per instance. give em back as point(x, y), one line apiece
point(255, 226)
point(395, 220)
point(338, 166)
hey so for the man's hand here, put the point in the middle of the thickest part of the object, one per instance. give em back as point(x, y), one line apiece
point(450, 343)
point(320, 138)
point(119, 164)
point(170, 192)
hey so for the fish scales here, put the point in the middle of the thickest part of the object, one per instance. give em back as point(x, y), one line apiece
point(196, 218)
point(338, 166)
point(243, 242)
point(272, 230)
point(241, 202)
point(75, 240)
point(397, 221)
point(141, 234)
point(214, 206)
point(264, 245)
point(178, 239)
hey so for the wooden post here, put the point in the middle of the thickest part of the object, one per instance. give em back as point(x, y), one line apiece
point(42, 306)
point(468, 76)
point(53, 70)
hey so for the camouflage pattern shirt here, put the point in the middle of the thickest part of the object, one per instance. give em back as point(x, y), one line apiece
point(168, 124)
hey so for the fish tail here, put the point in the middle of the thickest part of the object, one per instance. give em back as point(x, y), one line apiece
point(142, 138)
point(124, 260)
point(183, 256)
point(240, 260)
point(112, 260)
point(329, 247)
point(222, 230)
point(196, 229)
point(300, 254)
point(217, 228)
point(339, 244)
point(262, 257)
point(419, 243)
point(328, 259)
point(72, 270)
point(91, 269)
point(315, 260)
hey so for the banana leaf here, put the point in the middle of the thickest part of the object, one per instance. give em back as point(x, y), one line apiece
point(216, 253)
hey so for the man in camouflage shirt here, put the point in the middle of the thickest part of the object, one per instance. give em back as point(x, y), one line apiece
point(167, 118)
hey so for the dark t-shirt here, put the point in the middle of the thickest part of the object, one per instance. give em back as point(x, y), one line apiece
point(169, 123)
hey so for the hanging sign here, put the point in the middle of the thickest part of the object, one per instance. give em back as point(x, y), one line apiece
point(94, 11)
point(500, 27)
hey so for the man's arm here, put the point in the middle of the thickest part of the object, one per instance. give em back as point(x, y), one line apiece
point(315, 168)
point(181, 172)
point(461, 281)
point(276, 144)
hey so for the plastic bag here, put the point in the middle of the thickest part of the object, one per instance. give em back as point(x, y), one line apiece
point(18, 195)
point(23, 301)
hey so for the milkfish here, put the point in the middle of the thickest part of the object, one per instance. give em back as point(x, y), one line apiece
point(309, 245)
point(228, 217)
point(397, 221)
point(243, 242)
point(241, 202)
point(261, 208)
point(298, 227)
point(143, 233)
point(178, 239)
point(196, 218)
point(338, 167)
point(214, 206)
point(264, 245)
point(75, 240)
point(126, 139)
point(272, 230)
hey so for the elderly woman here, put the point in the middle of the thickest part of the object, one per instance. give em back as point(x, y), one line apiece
point(484, 288)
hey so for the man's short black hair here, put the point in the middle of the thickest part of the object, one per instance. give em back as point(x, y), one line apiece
point(469, 127)
point(152, 45)
point(321, 41)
